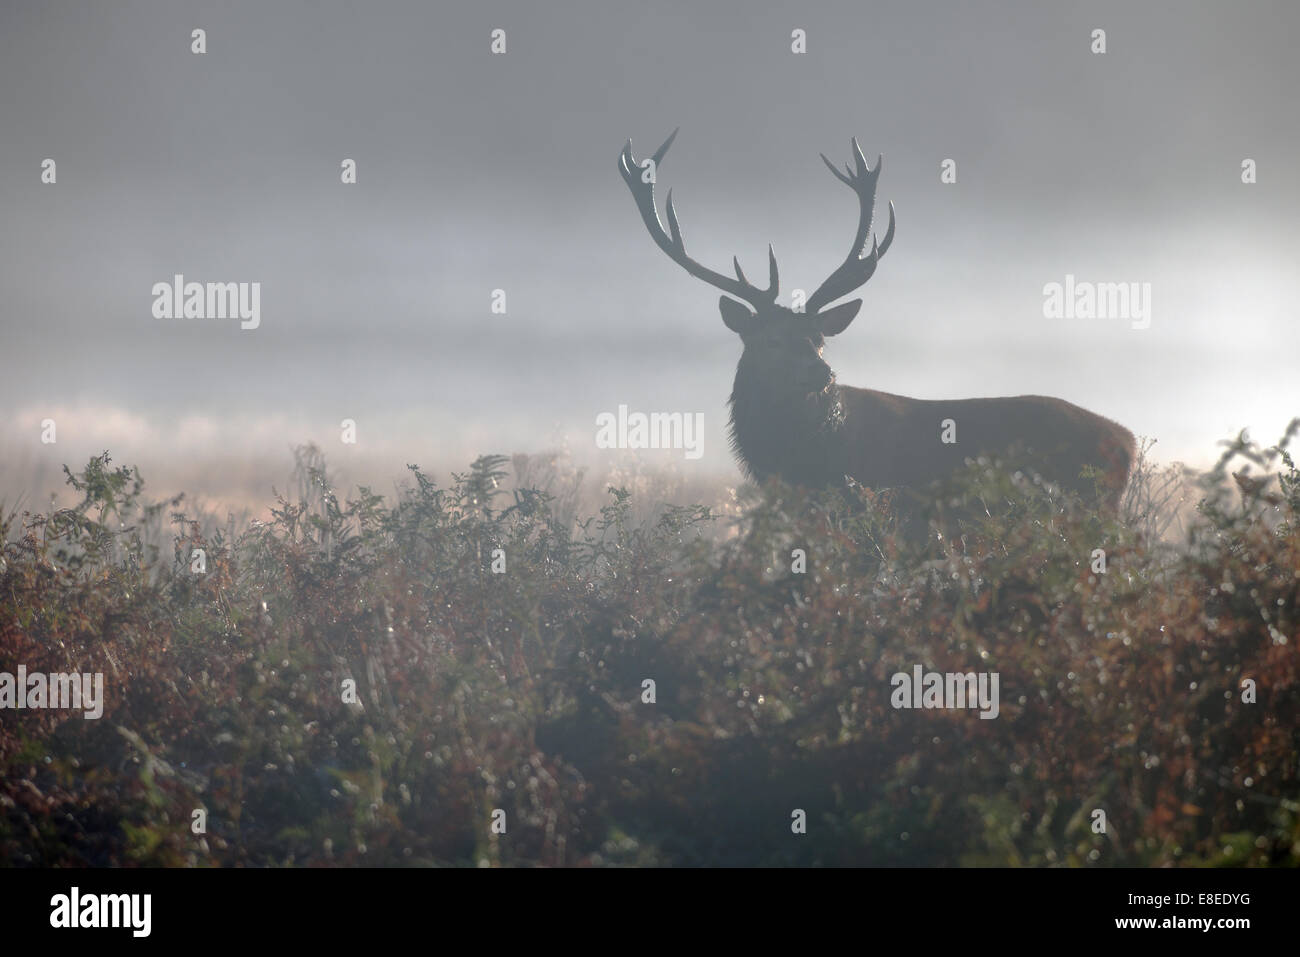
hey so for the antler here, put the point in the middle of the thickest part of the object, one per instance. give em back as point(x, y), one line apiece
point(671, 241)
point(856, 269)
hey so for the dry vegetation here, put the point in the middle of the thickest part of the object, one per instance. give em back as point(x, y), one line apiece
point(522, 691)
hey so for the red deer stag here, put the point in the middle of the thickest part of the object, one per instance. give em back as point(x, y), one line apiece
point(789, 417)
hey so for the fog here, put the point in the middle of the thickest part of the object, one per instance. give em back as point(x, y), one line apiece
point(479, 172)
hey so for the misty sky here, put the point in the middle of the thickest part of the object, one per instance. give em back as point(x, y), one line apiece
point(478, 172)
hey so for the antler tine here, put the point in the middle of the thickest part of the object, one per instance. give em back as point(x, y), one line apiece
point(847, 181)
point(889, 231)
point(773, 274)
point(670, 240)
point(856, 268)
point(863, 168)
point(659, 154)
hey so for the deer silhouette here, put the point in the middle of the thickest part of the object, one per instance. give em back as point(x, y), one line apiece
point(790, 418)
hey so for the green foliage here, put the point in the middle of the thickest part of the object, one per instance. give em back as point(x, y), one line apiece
point(522, 691)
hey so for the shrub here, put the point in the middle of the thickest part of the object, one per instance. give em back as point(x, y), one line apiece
point(523, 690)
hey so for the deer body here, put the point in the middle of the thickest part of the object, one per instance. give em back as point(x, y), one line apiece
point(872, 437)
point(789, 417)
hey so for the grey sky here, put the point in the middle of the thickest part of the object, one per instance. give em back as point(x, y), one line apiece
point(479, 171)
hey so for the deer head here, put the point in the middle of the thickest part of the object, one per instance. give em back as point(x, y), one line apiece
point(781, 346)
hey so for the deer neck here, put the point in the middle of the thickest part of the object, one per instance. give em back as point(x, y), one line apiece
point(775, 431)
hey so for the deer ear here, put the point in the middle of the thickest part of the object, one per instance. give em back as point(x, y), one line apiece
point(835, 320)
point(736, 316)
